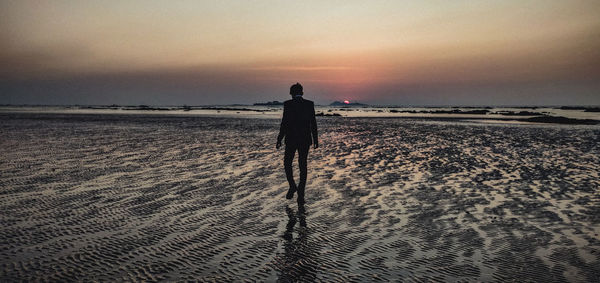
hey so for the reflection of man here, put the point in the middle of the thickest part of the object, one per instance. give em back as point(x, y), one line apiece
point(299, 262)
point(299, 127)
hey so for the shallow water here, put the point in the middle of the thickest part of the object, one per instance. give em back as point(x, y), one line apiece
point(142, 197)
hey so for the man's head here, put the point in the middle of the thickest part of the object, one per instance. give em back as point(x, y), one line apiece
point(296, 89)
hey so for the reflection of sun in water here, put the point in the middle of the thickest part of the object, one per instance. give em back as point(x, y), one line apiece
point(346, 102)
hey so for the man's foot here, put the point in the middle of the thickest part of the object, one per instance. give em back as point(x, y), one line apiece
point(301, 209)
point(290, 193)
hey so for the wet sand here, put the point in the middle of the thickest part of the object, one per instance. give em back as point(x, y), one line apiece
point(110, 197)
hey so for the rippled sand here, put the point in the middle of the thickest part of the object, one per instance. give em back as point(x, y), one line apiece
point(140, 197)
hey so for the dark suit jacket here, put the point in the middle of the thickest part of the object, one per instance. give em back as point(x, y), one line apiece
point(298, 123)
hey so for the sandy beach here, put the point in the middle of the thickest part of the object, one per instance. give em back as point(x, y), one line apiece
point(147, 197)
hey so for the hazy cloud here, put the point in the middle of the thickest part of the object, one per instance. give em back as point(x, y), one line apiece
point(189, 52)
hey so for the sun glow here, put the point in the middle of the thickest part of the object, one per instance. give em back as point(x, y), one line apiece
point(223, 52)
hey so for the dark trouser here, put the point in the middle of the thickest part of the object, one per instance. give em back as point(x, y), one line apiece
point(290, 150)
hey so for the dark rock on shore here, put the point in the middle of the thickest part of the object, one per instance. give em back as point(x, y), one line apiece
point(328, 114)
point(520, 113)
point(145, 107)
point(230, 109)
point(454, 111)
point(561, 120)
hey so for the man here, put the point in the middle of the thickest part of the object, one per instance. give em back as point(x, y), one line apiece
point(299, 127)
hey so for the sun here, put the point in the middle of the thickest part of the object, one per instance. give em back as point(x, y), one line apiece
point(346, 102)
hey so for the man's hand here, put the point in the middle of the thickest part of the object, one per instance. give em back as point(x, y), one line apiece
point(278, 145)
point(316, 145)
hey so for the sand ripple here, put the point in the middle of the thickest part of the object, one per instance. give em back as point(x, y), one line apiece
point(140, 197)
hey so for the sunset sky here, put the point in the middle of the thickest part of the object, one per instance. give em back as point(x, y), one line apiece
point(223, 52)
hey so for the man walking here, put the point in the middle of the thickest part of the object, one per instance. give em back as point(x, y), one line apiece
point(299, 127)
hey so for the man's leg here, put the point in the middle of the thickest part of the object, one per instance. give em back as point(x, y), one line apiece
point(287, 164)
point(302, 162)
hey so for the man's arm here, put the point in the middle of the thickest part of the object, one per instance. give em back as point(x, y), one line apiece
point(313, 127)
point(283, 127)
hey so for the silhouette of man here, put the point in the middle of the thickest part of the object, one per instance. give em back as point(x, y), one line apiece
point(299, 127)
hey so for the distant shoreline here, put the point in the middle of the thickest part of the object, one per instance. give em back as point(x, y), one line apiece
point(359, 105)
point(556, 115)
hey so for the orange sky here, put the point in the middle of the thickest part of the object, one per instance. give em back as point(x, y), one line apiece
point(205, 52)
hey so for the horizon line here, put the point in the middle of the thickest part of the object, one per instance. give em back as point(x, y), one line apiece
point(363, 105)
